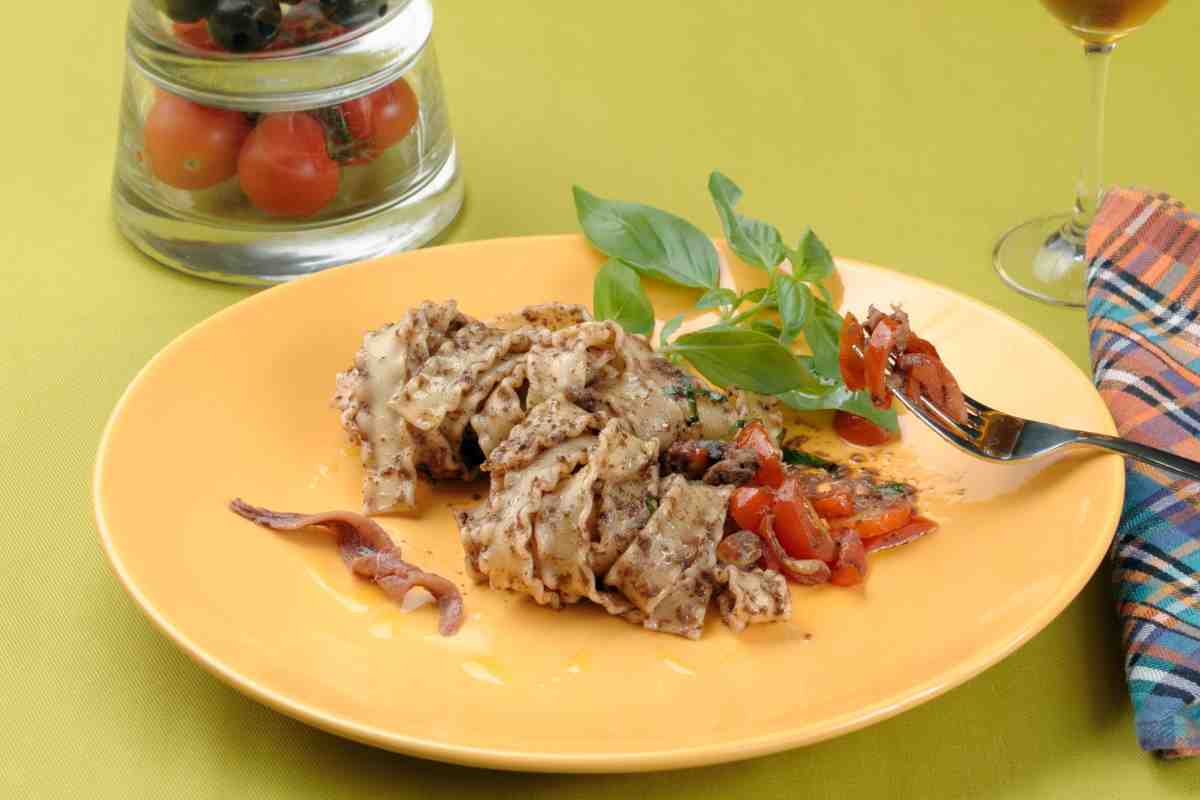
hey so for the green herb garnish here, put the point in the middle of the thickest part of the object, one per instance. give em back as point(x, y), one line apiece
point(651, 504)
point(750, 347)
point(803, 459)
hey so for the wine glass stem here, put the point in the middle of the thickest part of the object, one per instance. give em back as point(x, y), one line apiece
point(1088, 189)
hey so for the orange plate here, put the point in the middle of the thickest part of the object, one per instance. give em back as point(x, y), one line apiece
point(240, 406)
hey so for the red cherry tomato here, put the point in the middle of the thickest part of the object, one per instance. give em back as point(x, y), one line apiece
point(915, 529)
point(802, 533)
point(749, 504)
point(859, 430)
point(381, 119)
point(850, 568)
point(754, 437)
point(190, 146)
point(196, 34)
point(393, 114)
point(838, 502)
point(851, 345)
point(284, 168)
point(878, 520)
point(879, 349)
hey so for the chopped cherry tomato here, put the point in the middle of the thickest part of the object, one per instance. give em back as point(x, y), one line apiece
point(284, 168)
point(754, 437)
point(838, 502)
point(749, 504)
point(879, 349)
point(927, 376)
point(802, 533)
point(191, 146)
point(852, 344)
point(918, 345)
point(850, 568)
point(915, 529)
point(881, 519)
point(859, 430)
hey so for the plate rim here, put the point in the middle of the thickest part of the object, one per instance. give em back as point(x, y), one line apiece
point(526, 761)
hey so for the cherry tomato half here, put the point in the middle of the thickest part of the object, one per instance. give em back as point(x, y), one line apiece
point(754, 436)
point(284, 168)
point(915, 529)
point(859, 430)
point(838, 502)
point(749, 504)
point(879, 349)
point(803, 534)
point(850, 568)
point(878, 520)
point(190, 146)
point(851, 344)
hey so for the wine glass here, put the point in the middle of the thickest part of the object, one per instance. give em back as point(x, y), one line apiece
point(1044, 257)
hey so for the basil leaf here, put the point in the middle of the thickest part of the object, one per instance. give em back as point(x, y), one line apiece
point(755, 295)
point(669, 328)
point(822, 329)
point(651, 241)
point(839, 398)
point(811, 260)
point(617, 294)
point(801, 458)
point(795, 305)
point(765, 326)
point(715, 298)
point(754, 241)
point(742, 358)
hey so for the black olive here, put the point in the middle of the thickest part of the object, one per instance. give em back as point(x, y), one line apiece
point(353, 13)
point(243, 26)
point(186, 10)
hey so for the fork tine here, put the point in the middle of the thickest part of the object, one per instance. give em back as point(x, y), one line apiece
point(952, 433)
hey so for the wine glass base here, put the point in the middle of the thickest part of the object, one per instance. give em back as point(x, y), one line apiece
point(1041, 259)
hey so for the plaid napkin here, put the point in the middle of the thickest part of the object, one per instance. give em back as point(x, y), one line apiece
point(1144, 316)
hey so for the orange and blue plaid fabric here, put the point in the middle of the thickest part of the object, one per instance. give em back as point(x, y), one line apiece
point(1144, 317)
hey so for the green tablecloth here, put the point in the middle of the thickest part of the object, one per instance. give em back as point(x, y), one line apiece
point(908, 134)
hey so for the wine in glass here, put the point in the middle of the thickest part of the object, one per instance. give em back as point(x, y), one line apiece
point(1044, 257)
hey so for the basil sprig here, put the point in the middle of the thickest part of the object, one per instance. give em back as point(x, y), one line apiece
point(750, 347)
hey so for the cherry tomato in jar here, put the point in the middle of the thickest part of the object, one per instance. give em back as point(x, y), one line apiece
point(284, 168)
point(195, 34)
point(749, 504)
point(859, 430)
point(754, 436)
point(190, 146)
point(801, 532)
point(382, 118)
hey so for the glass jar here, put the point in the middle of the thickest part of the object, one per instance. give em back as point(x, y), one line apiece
point(260, 141)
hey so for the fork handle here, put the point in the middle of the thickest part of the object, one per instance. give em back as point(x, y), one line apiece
point(1148, 455)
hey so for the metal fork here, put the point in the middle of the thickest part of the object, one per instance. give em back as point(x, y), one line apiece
point(995, 436)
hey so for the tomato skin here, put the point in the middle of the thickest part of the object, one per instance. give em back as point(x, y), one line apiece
point(851, 344)
point(879, 348)
point(833, 504)
point(284, 168)
point(801, 532)
point(749, 504)
point(859, 430)
point(880, 520)
point(915, 529)
point(850, 568)
point(190, 146)
point(918, 345)
point(754, 436)
point(196, 34)
point(393, 114)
